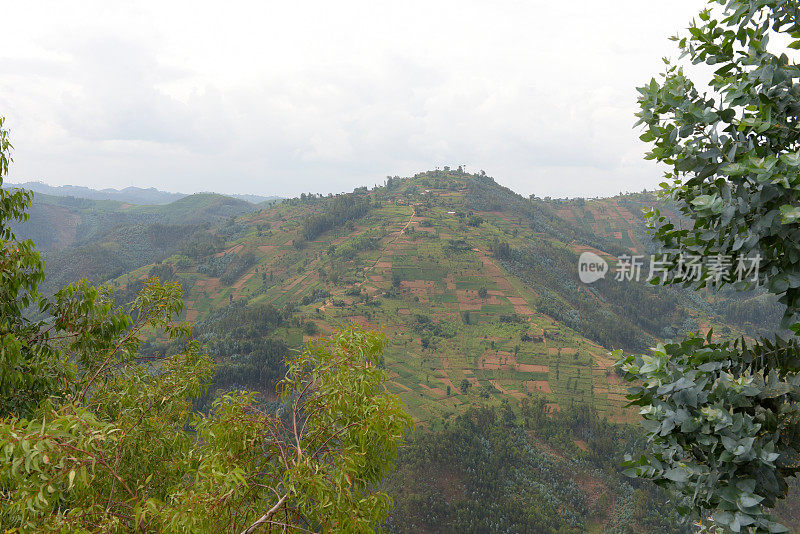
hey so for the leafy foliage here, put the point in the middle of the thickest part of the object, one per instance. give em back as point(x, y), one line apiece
point(723, 418)
point(97, 437)
point(722, 431)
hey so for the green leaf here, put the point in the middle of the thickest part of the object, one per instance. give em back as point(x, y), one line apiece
point(676, 474)
point(789, 214)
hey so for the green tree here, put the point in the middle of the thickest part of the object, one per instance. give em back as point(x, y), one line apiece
point(464, 386)
point(723, 418)
point(94, 437)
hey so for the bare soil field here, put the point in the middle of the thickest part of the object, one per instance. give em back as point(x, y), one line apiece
point(233, 250)
point(538, 386)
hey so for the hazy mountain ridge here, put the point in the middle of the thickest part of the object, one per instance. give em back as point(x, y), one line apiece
point(132, 195)
point(56, 222)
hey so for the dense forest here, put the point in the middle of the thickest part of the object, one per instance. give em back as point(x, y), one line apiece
point(335, 212)
point(502, 470)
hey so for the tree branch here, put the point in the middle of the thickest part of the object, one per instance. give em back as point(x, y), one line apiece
point(266, 517)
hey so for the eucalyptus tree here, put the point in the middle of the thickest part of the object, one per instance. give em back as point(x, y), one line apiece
point(723, 418)
point(94, 437)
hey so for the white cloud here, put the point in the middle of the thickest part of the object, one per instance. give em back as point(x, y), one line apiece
point(279, 98)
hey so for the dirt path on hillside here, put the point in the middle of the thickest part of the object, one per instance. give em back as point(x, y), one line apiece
point(380, 257)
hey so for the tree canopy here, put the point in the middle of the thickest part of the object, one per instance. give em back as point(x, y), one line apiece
point(723, 418)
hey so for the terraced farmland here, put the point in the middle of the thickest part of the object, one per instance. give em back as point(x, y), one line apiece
point(466, 325)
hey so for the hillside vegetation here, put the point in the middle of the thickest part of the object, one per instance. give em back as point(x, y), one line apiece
point(475, 287)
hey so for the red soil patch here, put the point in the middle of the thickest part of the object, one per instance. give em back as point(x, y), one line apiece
point(532, 368)
point(243, 280)
point(603, 361)
point(497, 361)
point(494, 271)
point(267, 248)
point(294, 282)
point(538, 386)
point(613, 379)
point(468, 299)
point(418, 288)
point(439, 392)
point(209, 286)
point(418, 284)
point(633, 240)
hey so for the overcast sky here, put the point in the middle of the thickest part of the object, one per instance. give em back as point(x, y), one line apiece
point(278, 98)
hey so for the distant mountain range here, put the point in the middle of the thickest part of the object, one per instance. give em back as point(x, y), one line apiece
point(133, 195)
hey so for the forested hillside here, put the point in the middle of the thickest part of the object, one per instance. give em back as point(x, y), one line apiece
point(476, 285)
point(476, 288)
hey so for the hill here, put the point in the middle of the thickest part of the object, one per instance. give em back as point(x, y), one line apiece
point(132, 195)
point(497, 349)
point(101, 239)
point(475, 286)
point(57, 222)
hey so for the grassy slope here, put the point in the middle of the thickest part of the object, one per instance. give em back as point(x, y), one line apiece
point(437, 282)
